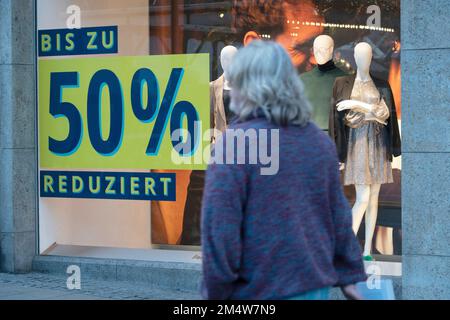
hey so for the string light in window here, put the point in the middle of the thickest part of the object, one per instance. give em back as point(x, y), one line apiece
point(340, 26)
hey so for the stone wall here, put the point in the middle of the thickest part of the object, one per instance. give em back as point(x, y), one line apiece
point(425, 29)
point(17, 136)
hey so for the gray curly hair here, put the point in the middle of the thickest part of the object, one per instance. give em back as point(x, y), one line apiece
point(262, 77)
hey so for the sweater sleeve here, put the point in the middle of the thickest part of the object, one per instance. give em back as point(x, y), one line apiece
point(222, 214)
point(347, 253)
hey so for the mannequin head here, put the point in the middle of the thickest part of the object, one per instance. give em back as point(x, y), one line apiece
point(323, 49)
point(226, 56)
point(363, 57)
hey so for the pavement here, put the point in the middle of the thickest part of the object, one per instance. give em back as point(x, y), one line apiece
point(40, 286)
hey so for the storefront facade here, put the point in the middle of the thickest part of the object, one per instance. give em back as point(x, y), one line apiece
point(127, 236)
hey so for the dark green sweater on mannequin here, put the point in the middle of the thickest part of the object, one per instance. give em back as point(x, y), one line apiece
point(319, 90)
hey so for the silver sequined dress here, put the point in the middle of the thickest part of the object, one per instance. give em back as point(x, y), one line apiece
point(366, 154)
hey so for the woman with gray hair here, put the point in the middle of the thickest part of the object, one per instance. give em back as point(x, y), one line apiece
point(285, 235)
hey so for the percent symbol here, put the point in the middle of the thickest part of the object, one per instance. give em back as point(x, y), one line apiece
point(164, 111)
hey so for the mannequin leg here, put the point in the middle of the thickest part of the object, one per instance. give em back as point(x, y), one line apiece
point(361, 204)
point(371, 217)
point(384, 240)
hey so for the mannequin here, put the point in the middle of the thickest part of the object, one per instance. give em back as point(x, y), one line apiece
point(220, 92)
point(319, 81)
point(226, 57)
point(373, 138)
point(363, 59)
point(323, 49)
point(220, 116)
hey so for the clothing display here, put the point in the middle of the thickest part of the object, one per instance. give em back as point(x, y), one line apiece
point(190, 234)
point(226, 104)
point(339, 129)
point(218, 117)
point(366, 154)
point(318, 85)
point(221, 115)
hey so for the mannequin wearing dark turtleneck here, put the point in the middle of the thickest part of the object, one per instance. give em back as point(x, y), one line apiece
point(319, 89)
point(327, 66)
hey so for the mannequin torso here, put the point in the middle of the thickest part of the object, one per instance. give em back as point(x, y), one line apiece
point(219, 91)
point(319, 81)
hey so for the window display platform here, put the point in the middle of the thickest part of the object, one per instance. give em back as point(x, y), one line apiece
point(183, 254)
point(174, 269)
point(383, 265)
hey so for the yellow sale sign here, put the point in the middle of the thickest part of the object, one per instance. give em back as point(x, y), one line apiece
point(143, 112)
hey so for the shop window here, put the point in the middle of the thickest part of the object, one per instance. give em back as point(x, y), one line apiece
point(144, 229)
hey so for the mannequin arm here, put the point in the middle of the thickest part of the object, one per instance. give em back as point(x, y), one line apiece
point(379, 112)
point(355, 105)
point(372, 112)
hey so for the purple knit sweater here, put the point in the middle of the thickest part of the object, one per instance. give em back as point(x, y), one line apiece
point(273, 237)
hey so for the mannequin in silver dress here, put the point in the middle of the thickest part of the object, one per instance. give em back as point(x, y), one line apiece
point(366, 166)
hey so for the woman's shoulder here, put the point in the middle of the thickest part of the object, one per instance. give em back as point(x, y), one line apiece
point(262, 123)
point(312, 136)
point(251, 123)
